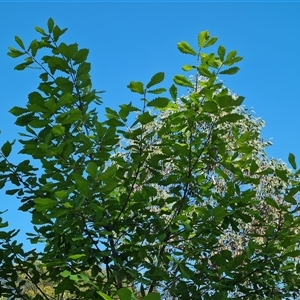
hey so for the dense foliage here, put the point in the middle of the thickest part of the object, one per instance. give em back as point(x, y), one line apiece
point(175, 198)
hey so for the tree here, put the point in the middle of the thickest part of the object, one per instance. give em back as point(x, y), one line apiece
point(176, 197)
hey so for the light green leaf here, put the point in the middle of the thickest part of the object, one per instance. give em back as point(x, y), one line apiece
point(185, 48)
point(76, 256)
point(136, 87)
point(203, 37)
point(182, 81)
point(210, 42)
point(104, 296)
point(188, 68)
point(157, 78)
point(292, 161)
point(65, 273)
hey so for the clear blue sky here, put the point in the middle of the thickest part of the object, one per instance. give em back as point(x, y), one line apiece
point(134, 40)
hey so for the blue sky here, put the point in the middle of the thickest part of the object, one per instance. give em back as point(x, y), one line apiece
point(134, 40)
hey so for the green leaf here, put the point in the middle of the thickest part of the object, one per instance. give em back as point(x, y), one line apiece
point(65, 273)
point(92, 169)
point(136, 87)
point(104, 296)
point(203, 37)
point(6, 149)
point(231, 118)
point(221, 52)
point(205, 72)
point(185, 48)
point(42, 204)
point(292, 161)
point(231, 55)
point(80, 56)
point(185, 271)
point(157, 78)
point(76, 256)
point(188, 68)
point(17, 111)
point(183, 81)
point(83, 69)
point(210, 106)
point(152, 296)
point(58, 130)
point(173, 92)
point(145, 118)
point(159, 102)
point(15, 53)
point(157, 91)
point(40, 30)
point(19, 42)
point(271, 202)
point(57, 32)
point(230, 71)
point(210, 42)
point(125, 294)
point(50, 24)
point(34, 46)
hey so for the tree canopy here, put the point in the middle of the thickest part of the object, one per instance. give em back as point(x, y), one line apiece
point(169, 198)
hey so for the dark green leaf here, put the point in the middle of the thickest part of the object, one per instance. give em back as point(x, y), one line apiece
point(232, 118)
point(157, 91)
point(83, 69)
point(230, 71)
point(17, 111)
point(145, 118)
point(292, 161)
point(50, 24)
point(6, 149)
point(80, 56)
point(159, 102)
point(92, 169)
